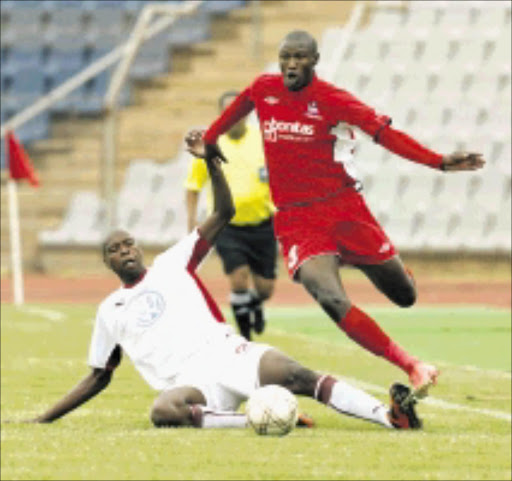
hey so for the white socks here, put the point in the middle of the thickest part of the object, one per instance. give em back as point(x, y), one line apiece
point(207, 418)
point(350, 400)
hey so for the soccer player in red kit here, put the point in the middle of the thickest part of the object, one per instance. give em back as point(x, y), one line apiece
point(322, 220)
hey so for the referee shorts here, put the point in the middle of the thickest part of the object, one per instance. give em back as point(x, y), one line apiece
point(252, 245)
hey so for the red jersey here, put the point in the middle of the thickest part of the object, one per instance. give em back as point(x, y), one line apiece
point(302, 131)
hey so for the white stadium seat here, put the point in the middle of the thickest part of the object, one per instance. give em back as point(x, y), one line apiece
point(82, 223)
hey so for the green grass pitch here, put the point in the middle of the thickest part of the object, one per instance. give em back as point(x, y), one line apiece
point(467, 432)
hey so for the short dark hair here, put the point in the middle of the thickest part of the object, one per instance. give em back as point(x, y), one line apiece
point(302, 36)
point(226, 95)
point(108, 238)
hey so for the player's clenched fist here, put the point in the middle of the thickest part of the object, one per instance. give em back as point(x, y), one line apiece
point(195, 144)
point(463, 161)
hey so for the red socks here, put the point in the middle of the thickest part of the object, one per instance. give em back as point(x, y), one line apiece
point(366, 332)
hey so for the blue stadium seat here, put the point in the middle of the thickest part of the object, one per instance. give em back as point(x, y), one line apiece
point(66, 49)
point(23, 18)
point(23, 48)
point(93, 94)
point(36, 129)
point(108, 19)
point(3, 158)
point(23, 86)
point(102, 42)
point(57, 77)
point(222, 6)
point(190, 29)
point(68, 16)
point(106, 4)
point(152, 58)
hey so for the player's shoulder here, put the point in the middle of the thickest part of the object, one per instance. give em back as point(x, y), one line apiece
point(327, 87)
point(109, 302)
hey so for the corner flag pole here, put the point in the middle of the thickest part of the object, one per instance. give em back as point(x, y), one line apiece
point(20, 168)
point(15, 242)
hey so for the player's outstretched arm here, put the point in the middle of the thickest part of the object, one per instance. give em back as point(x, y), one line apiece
point(91, 385)
point(94, 383)
point(223, 206)
point(458, 161)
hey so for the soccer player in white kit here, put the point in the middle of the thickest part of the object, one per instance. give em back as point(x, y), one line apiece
point(166, 322)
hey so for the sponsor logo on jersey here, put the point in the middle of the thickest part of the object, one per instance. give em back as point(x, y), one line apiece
point(271, 100)
point(146, 308)
point(313, 112)
point(273, 129)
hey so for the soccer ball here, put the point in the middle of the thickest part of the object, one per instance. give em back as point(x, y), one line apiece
point(272, 410)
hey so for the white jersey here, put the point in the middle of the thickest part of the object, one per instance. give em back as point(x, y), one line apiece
point(162, 321)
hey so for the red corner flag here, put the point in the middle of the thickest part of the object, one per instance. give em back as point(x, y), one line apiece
point(19, 162)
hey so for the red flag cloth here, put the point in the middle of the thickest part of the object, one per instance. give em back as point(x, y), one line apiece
point(19, 162)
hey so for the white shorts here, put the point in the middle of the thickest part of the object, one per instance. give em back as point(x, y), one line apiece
point(226, 373)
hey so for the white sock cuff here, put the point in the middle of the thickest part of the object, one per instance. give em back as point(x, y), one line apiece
point(240, 298)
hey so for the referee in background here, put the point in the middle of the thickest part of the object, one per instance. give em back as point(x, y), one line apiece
point(247, 245)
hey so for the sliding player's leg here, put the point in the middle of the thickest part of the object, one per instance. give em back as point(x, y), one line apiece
point(277, 368)
point(320, 276)
point(187, 406)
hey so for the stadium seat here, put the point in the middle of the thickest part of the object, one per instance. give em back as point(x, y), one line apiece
point(153, 58)
point(24, 17)
point(384, 22)
point(68, 17)
point(22, 49)
point(402, 54)
point(498, 61)
point(67, 50)
point(377, 88)
point(415, 88)
point(435, 229)
point(418, 23)
point(26, 85)
point(37, 128)
point(222, 6)
point(3, 157)
point(108, 20)
point(190, 29)
point(329, 41)
point(366, 51)
point(434, 57)
point(58, 76)
point(164, 214)
point(82, 223)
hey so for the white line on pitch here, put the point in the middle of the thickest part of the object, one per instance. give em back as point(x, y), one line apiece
point(435, 402)
point(49, 314)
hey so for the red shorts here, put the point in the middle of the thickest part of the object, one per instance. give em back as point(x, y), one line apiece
point(341, 226)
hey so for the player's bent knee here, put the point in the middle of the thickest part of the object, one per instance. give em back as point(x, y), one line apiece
point(167, 415)
point(334, 303)
point(406, 297)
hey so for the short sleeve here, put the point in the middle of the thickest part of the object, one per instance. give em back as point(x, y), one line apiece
point(186, 253)
point(102, 343)
point(197, 175)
